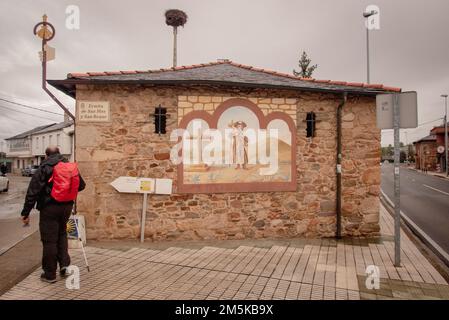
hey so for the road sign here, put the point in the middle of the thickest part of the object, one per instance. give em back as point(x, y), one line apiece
point(408, 109)
point(142, 185)
point(145, 186)
point(125, 184)
point(50, 53)
point(396, 111)
point(163, 186)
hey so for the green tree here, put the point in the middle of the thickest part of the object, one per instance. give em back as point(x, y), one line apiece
point(305, 69)
point(402, 156)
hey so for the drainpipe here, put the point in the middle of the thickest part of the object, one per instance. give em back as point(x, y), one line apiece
point(44, 25)
point(339, 147)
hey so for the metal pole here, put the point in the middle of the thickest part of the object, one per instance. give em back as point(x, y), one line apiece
point(367, 56)
point(144, 215)
point(175, 35)
point(446, 138)
point(397, 195)
point(80, 240)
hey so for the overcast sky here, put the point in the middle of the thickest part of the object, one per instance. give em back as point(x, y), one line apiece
point(411, 49)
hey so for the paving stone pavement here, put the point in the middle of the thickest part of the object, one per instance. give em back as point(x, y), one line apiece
point(309, 269)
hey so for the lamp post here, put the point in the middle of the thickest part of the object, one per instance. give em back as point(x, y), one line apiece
point(445, 134)
point(367, 15)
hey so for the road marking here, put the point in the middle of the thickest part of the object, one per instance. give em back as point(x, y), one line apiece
point(418, 230)
point(438, 190)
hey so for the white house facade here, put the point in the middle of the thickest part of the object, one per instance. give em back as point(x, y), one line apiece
point(28, 148)
point(60, 134)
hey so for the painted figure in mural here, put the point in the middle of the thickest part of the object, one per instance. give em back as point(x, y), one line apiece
point(239, 145)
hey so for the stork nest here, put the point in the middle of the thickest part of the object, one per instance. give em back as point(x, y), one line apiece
point(175, 17)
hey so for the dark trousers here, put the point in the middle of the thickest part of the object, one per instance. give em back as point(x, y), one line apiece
point(53, 229)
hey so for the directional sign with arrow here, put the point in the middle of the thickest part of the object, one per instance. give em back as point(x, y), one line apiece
point(145, 186)
point(125, 184)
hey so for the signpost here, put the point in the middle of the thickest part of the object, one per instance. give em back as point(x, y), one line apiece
point(145, 186)
point(396, 111)
point(49, 53)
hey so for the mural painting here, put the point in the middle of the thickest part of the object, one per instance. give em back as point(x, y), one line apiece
point(237, 148)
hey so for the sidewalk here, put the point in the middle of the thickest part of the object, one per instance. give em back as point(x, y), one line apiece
point(301, 269)
point(431, 173)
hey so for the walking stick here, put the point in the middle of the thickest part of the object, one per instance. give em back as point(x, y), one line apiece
point(81, 241)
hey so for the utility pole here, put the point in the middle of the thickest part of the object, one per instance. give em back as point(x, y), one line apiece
point(175, 18)
point(397, 193)
point(367, 15)
point(446, 162)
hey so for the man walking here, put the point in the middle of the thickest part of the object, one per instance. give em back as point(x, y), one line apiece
point(3, 169)
point(53, 187)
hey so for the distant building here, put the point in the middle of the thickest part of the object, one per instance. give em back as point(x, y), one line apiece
point(28, 148)
point(3, 145)
point(426, 153)
point(59, 134)
point(440, 155)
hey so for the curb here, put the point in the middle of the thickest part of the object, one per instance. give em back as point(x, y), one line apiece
point(429, 174)
point(443, 255)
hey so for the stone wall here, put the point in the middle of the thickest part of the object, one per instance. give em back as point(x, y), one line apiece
point(127, 146)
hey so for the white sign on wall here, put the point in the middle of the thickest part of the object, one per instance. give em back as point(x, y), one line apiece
point(93, 111)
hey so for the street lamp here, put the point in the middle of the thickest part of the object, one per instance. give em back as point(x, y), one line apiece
point(446, 164)
point(367, 15)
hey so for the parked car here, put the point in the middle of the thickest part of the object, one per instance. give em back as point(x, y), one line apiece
point(4, 183)
point(29, 171)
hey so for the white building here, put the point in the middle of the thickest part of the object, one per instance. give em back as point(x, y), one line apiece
point(59, 134)
point(3, 146)
point(28, 148)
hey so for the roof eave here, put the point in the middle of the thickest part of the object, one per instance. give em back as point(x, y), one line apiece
point(68, 86)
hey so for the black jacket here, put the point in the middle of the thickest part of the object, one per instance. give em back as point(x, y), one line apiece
point(39, 189)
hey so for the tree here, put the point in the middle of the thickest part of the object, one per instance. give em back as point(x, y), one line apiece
point(306, 69)
point(402, 157)
point(175, 18)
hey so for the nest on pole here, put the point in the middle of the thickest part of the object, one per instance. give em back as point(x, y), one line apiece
point(175, 18)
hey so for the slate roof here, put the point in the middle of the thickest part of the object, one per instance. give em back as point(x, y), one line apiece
point(54, 127)
point(42, 129)
point(29, 132)
point(224, 73)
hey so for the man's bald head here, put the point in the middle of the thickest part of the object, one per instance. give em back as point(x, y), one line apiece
point(51, 150)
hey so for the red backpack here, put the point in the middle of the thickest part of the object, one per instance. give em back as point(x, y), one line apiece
point(66, 181)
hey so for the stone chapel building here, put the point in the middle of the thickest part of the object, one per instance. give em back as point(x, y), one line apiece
point(313, 192)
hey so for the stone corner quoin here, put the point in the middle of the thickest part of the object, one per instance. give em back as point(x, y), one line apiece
point(127, 146)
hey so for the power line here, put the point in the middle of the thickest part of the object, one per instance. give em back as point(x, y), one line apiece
point(20, 100)
point(424, 123)
point(389, 131)
point(30, 114)
point(11, 118)
point(30, 107)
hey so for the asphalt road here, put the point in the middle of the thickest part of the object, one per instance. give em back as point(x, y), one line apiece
point(424, 199)
point(11, 202)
